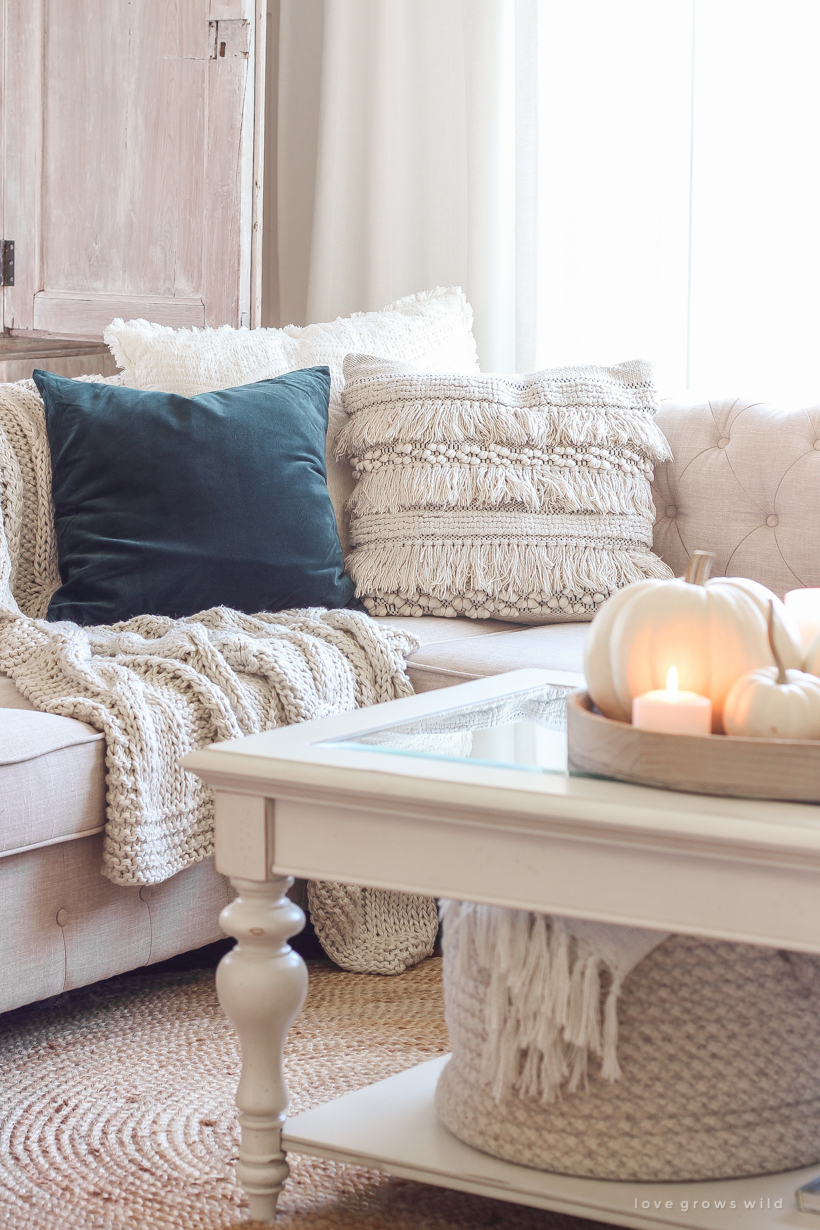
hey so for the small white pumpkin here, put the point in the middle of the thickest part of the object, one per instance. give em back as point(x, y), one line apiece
point(812, 661)
point(712, 632)
point(774, 703)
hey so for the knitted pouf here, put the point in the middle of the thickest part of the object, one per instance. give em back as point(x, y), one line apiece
point(719, 1053)
point(372, 930)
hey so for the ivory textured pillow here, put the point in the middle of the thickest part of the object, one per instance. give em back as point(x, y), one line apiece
point(432, 330)
point(519, 497)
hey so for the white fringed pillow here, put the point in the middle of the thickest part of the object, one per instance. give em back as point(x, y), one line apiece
point(522, 497)
point(432, 330)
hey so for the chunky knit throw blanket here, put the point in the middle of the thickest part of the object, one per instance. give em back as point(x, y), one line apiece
point(29, 563)
point(159, 688)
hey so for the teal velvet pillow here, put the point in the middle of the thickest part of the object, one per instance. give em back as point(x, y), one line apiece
point(168, 505)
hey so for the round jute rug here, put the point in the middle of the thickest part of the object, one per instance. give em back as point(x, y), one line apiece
point(117, 1108)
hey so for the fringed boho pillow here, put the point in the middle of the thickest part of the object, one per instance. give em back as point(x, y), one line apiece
point(701, 1061)
point(521, 497)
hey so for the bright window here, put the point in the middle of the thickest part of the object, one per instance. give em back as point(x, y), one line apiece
point(679, 191)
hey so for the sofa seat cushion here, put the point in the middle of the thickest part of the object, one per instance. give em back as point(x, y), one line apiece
point(556, 647)
point(11, 697)
point(432, 630)
point(52, 769)
point(52, 779)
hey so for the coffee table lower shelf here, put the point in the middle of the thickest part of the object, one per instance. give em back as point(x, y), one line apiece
point(392, 1126)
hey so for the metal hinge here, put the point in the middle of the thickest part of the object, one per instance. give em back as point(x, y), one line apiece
point(7, 263)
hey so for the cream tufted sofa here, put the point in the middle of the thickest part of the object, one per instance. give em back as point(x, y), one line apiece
point(744, 483)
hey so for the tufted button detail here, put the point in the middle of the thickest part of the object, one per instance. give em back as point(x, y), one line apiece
point(62, 918)
point(671, 511)
point(762, 450)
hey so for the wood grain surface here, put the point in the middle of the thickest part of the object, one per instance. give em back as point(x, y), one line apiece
point(698, 764)
point(20, 356)
point(22, 120)
point(128, 146)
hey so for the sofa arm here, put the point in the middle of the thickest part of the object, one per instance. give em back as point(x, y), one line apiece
point(744, 483)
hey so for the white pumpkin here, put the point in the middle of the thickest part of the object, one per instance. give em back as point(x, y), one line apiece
point(774, 703)
point(712, 632)
point(812, 660)
point(764, 706)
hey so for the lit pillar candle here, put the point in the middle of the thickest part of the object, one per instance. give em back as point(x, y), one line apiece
point(804, 607)
point(672, 712)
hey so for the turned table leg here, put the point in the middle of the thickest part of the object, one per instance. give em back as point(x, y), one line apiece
point(261, 984)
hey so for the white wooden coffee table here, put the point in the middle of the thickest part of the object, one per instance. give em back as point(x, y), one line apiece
point(354, 799)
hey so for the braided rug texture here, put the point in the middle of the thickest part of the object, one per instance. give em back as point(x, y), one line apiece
point(117, 1108)
point(524, 498)
point(719, 1048)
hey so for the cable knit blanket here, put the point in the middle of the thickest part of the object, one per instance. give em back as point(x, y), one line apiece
point(158, 688)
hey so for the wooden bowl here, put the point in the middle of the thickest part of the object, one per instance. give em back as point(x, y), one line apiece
point(787, 769)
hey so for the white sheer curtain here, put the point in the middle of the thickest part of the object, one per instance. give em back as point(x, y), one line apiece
point(399, 166)
point(606, 181)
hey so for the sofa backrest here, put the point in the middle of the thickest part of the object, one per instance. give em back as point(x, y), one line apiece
point(745, 483)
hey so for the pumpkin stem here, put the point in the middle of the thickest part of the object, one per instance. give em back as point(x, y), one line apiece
point(699, 567)
point(782, 677)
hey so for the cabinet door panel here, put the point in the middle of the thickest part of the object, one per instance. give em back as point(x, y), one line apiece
point(128, 162)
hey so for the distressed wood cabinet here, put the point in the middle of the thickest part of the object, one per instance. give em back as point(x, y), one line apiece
point(131, 157)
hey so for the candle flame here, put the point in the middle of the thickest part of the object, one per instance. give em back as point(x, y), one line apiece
point(672, 682)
